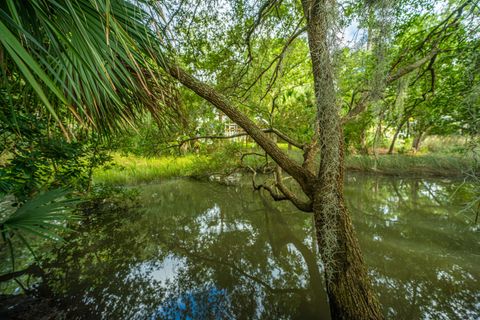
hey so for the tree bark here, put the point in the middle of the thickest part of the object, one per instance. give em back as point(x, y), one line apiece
point(395, 136)
point(302, 176)
point(348, 285)
point(417, 140)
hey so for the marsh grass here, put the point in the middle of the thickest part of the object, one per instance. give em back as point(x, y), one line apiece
point(429, 165)
point(131, 170)
point(444, 144)
point(134, 169)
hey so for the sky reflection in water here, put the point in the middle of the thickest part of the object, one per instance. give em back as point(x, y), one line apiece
point(198, 250)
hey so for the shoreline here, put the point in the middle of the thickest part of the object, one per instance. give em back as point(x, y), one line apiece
point(132, 170)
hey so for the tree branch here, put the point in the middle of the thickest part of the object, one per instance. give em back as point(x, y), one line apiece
point(286, 138)
point(407, 69)
point(457, 13)
point(275, 195)
point(264, 10)
point(392, 76)
point(32, 269)
point(278, 59)
point(265, 165)
point(367, 97)
point(280, 134)
point(281, 56)
point(285, 193)
point(297, 202)
point(182, 142)
point(302, 176)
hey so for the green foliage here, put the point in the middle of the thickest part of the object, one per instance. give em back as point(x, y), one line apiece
point(356, 133)
point(446, 144)
point(129, 169)
point(67, 67)
point(409, 165)
point(38, 157)
point(43, 216)
point(435, 98)
point(50, 164)
point(90, 59)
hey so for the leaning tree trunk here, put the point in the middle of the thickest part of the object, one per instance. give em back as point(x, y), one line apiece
point(348, 286)
point(416, 141)
point(395, 136)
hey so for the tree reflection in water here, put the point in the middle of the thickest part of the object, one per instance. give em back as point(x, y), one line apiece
point(422, 250)
point(201, 251)
point(195, 250)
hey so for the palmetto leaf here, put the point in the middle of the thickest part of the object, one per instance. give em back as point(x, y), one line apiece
point(41, 215)
point(98, 58)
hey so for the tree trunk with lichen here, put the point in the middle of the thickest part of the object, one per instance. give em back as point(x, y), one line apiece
point(348, 286)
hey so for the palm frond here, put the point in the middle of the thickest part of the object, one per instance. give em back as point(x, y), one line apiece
point(98, 58)
point(44, 216)
point(41, 214)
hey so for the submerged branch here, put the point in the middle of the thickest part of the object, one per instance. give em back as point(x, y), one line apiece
point(280, 192)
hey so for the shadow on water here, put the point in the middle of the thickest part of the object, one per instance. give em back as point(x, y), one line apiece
point(197, 250)
point(193, 251)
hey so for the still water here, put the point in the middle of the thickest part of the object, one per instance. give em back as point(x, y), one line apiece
point(200, 250)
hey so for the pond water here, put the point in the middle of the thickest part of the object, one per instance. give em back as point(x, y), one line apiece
point(200, 250)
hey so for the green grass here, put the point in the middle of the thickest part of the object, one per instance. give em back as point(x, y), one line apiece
point(129, 170)
point(444, 144)
point(427, 165)
point(132, 169)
